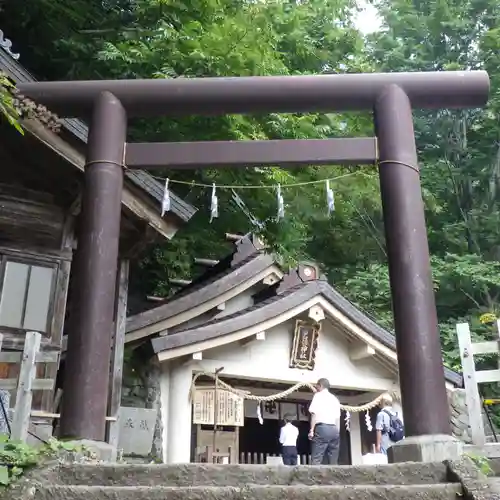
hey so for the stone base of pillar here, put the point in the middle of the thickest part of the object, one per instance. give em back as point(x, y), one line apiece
point(430, 448)
point(96, 450)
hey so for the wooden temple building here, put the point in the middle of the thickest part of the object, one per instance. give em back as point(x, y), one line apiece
point(40, 192)
point(264, 329)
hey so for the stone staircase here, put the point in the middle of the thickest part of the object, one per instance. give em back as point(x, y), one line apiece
point(244, 482)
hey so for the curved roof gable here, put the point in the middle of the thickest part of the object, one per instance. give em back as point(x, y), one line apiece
point(239, 271)
point(275, 306)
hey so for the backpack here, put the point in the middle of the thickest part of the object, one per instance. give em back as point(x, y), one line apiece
point(396, 431)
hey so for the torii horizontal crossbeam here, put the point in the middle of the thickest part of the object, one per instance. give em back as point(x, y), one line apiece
point(263, 94)
point(213, 154)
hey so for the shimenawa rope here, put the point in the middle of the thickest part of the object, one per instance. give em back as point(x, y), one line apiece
point(280, 395)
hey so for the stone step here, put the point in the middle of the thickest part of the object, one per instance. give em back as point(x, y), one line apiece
point(297, 492)
point(236, 475)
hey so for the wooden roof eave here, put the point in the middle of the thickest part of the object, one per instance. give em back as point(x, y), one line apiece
point(202, 298)
point(277, 310)
point(148, 191)
point(130, 199)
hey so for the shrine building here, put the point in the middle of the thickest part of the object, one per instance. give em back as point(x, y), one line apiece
point(263, 329)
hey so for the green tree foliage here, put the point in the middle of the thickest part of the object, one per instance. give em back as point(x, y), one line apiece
point(459, 150)
point(459, 156)
point(7, 107)
point(168, 39)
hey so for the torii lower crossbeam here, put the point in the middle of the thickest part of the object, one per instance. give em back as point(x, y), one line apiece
point(218, 154)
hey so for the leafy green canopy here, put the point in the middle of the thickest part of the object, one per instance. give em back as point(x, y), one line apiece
point(169, 39)
point(459, 152)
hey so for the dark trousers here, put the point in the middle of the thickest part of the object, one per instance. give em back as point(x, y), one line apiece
point(325, 445)
point(289, 454)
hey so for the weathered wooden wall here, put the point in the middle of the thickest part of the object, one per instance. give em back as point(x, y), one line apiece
point(36, 229)
point(29, 218)
point(40, 197)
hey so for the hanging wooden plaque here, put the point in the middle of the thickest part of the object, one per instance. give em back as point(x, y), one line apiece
point(304, 345)
point(230, 408)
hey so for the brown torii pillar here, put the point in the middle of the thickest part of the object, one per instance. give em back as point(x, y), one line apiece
point(392, 97)
point(418, 345)
point(96, 259)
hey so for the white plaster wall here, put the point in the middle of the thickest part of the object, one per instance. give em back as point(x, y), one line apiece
point(178, 445)
point(397, 408)
point(238, 303)
point(165, 398)
point(355, 438)
point(269, 360)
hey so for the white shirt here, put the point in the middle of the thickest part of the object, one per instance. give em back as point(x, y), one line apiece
point(289, 434)
point(326, 407)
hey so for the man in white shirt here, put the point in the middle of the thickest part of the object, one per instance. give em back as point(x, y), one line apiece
point(325, 421)
point(288, 439)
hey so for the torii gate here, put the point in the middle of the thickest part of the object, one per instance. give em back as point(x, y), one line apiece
point(390, 95)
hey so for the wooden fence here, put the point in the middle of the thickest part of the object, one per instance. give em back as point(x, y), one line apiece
point(205, 455)
point(472, 378)
point(261, 458)
point(27, 382)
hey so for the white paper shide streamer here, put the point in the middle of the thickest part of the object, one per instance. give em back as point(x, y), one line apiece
point(214, 204)
point(165, 204)
point(281, 203)
point(259, 414)
point(347, 421)
point(368, 421)
point(214, 201)
point(330, 199)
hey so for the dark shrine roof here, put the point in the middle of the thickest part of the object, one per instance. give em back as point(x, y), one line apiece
point(79, 131)
point(237, 268)
point(276, 305)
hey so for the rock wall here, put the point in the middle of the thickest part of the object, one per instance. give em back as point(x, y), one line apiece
point(460, 418)
point(141, 389)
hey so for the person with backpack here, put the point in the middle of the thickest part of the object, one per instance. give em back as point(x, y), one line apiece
point(389, 426)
